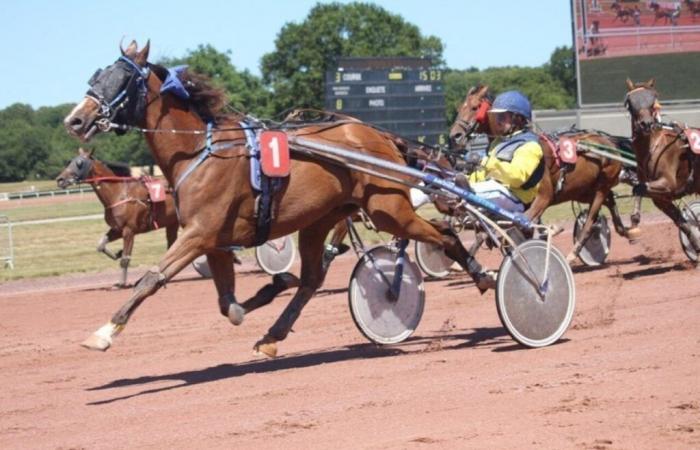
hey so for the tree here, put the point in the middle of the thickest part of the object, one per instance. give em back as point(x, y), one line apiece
point(245, 91)
point(543, 90)
point(562, 67)
point(303, 53)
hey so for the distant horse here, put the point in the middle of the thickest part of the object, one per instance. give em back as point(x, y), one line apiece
point(669, 15)
point(128, 207)
point(621, 12)
point(590, 181)
point(667, 167)
point(693, 7)
point(209, 167)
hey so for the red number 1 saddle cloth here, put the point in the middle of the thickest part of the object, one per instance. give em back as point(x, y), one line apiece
point(274, 154)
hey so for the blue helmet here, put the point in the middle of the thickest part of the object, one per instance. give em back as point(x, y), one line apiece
point(513, 101)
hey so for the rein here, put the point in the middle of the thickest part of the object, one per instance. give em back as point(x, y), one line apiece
point(97, 180)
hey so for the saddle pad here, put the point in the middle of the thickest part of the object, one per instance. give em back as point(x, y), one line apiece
point(567, 150)
point(274, 154)
point(156, 190)
point(693, 135)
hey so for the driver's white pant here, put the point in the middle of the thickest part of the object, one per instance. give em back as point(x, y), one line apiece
point(499, 194)
point(419, 198)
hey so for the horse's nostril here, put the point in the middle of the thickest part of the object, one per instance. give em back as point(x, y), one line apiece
point(74, 123)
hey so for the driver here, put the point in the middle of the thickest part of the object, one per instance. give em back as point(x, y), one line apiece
point(513, 167)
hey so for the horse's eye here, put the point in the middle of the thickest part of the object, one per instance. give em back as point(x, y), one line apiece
point(475, 108)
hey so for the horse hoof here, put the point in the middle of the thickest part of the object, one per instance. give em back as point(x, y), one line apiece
point(236, 313)
point(266, 346)
point(634, 233)
point(96, 342)
point(571, 257)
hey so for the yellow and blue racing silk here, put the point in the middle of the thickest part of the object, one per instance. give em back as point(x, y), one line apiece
point(515, 161)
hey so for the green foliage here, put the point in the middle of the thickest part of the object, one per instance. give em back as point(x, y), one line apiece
point(543, 90)
point(305, 51)
point(245, 91)
point(562, 67)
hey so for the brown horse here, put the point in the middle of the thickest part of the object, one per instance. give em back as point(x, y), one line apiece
point(590, 181)
point(667, 168)
point(128, 207)
point(216, 203)
point(414, 153)
point(621, 12)
point(668, 14)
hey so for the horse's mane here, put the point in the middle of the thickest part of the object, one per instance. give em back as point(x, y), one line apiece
point(206, 99)
point(119, 169)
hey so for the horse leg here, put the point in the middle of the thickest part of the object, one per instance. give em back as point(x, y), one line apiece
point(585, 232)
point(312, 276)
point(636, 216)
point(336, 247)
point(631, 233)
point(171, 233)
point(110, 236)
point(221, 266)
point(128, 236)
point(692, 231)
point(394, 214)
point(185, 249)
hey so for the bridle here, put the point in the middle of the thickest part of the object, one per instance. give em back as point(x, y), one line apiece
point(109, 109)
point(82, 168)
point(468, 127)
point(655, 108)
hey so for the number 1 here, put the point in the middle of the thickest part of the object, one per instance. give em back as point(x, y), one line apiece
point(275, 147)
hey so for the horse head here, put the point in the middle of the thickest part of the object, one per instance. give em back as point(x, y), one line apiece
point(77, 170)
point(643, 105)
point(117, 94)
point(472, 116)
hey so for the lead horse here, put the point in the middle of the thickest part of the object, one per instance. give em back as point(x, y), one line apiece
point(590, 181)
point(207, 162)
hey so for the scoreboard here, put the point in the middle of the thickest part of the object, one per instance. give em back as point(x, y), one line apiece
point(403, 95)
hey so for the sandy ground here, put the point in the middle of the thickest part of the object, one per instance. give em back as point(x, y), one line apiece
point(180, 376)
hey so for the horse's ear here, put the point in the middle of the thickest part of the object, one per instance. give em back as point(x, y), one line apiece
point(630, 85)
point(141, 57)
point(131, 50)
point(81, 151)
point(651, 83)
point(484, 90)
point(91, 152)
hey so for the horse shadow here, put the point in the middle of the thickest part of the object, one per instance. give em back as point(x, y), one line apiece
point(652, 271)
point(478, 337)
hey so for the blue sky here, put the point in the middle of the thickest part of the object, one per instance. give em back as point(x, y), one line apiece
point(51, 48)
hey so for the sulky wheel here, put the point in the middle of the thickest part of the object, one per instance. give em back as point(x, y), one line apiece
point(597, 247)
point(691, 213)
point(536, 312)
point(276, 256)
point(381, 317)
point(432, 260)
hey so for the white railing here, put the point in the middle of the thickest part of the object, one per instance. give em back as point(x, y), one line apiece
point(4, 196)
point(7, 253)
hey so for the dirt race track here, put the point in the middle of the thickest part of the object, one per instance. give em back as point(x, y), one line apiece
point(180, 376)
